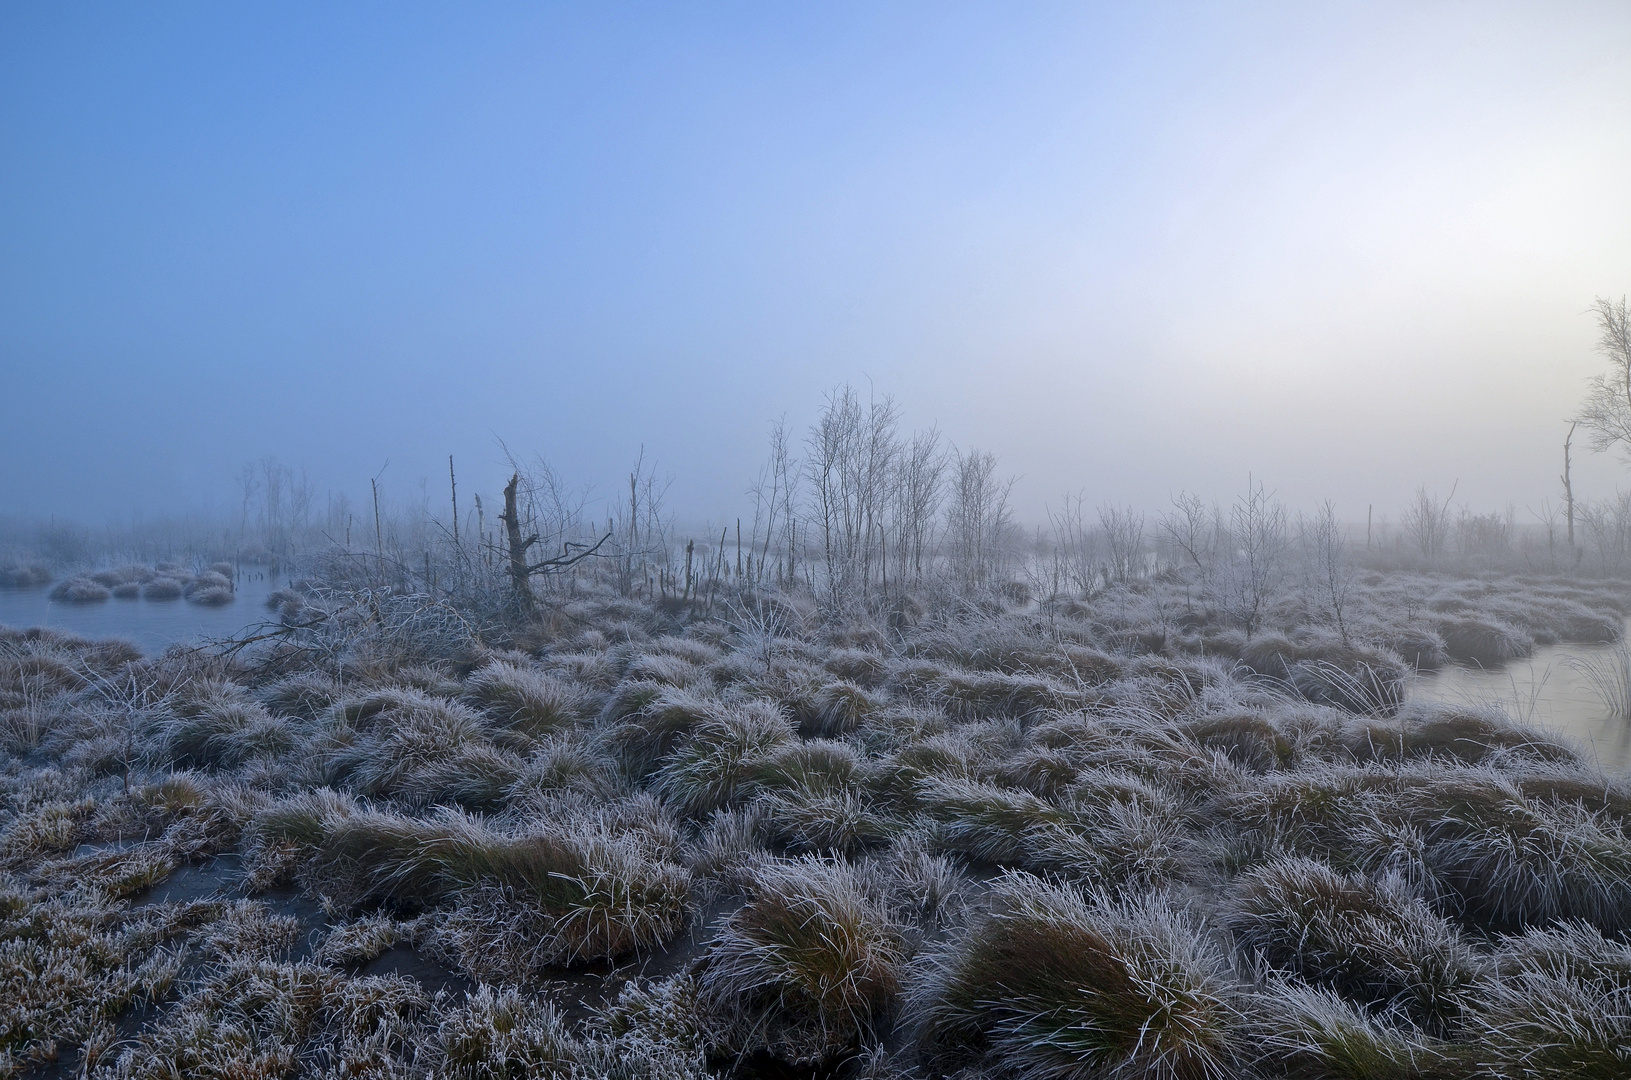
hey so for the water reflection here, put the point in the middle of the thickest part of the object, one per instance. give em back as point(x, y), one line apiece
point(150, 625)
point(1547, 690)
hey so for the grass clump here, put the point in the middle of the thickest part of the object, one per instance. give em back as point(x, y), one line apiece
point(838, 708)
point(518, 903)
point(218, 723)
point(1566, 950)
point(502, 1034)
point(1118, 844)
point(603, 898)
point(23, 575)
point(666, 669)
point(422, 750)
point(571, 761)
point(69, 964)
point(259, 1018)
point(718, 758)
point(1371, 941)
point(983, 821)
point(526, 699)
point(816, 765)
point(116, 873)
point(804, 970)
point(1250, 740)
point(1534, 1023)
point(1514, 860)
point(1485, 641)
point(305, 696)
point(973, 695)
point(360, 940)
point(644, 722)
point(1050, 982)
point(163, 588)
point(1437, 731)
point(1314, 1033)
point(1559, 1005)
point(248, 929)
point(842, 822)
point(80, 590)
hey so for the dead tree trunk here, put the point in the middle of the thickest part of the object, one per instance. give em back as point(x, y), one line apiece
point(521, 571)
point(520, 577)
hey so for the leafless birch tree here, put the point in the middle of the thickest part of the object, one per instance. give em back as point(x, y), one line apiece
point(1606, 413)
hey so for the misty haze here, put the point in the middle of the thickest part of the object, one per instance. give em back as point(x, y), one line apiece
point(856, 542)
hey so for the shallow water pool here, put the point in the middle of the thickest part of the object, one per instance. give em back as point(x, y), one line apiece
point(150, 625)
point(1546, 690)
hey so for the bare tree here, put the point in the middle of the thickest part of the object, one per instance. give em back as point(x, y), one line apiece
point(1484, 535)
point(1251, 576)
point(1607, 525)
point(1192, 531)
point(1426, 522)
point(1075, 544)
point(248, 485)
point(542, 511)
point(775, 496)
point(977, 518)
point(1606, 413)
point(1330, 576)
point(1548, 516)
point(273, 478)
point(1123, 531)
point(850, 465)
point(919, 489)
point(301, 494)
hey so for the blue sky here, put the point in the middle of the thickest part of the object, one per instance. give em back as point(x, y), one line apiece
point(1131, 248)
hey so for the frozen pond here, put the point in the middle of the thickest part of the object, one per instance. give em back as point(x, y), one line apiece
point(150, 625)
point(1546, 690)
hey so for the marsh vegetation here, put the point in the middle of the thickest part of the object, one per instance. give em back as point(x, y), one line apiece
point(884, 788)
point(1098, 836)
